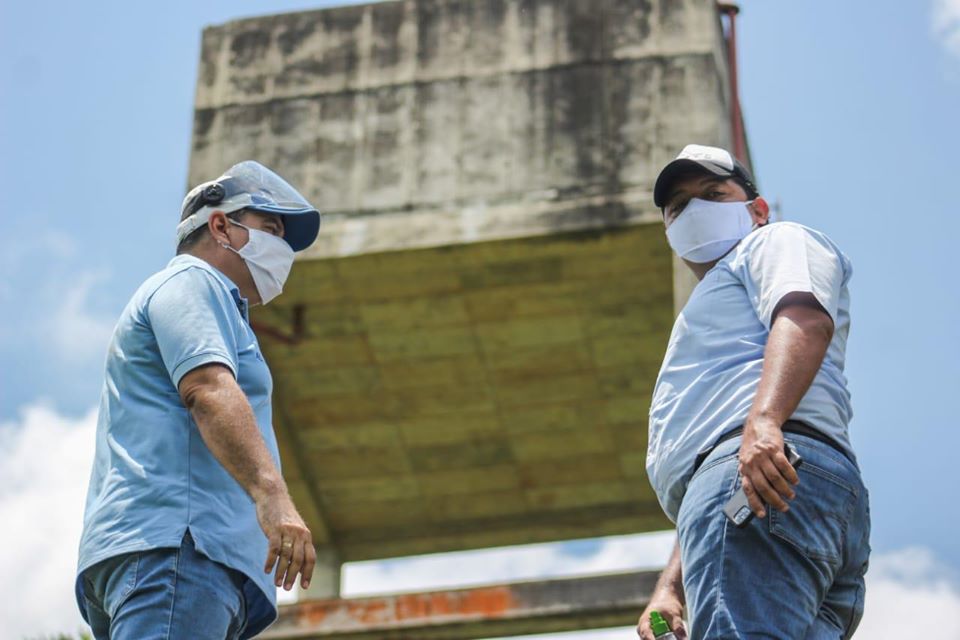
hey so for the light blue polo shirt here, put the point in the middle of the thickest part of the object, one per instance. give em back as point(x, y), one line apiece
point(714, 358)
point(153, 477)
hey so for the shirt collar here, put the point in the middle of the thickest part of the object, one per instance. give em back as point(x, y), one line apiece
point(242, 305)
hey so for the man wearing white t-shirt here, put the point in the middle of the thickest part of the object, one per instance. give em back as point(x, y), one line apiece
point(755, 360)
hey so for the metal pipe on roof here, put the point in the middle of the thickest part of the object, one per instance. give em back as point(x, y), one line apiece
point(736, 118)
point(298, 328)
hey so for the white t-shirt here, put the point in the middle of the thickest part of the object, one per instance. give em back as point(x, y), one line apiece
point(714, 358)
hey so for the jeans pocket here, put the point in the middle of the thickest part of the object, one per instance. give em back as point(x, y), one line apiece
point(122, 582)
point(709, 463)
point(816, 524)
point(92, 605)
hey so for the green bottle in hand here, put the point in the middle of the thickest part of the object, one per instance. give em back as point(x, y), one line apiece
point(661, 630)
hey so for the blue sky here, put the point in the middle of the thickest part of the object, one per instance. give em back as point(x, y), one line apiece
point(851, 109)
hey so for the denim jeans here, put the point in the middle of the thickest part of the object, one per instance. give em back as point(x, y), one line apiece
point(796, 575)
point(164, 594)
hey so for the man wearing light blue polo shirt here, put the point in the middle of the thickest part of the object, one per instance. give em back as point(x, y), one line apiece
point(755, 360)
point(187, 513)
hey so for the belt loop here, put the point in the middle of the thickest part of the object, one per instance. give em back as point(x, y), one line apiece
point(729, 435)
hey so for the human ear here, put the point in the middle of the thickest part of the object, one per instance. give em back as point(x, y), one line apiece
point(759, 211)
point(217, 225)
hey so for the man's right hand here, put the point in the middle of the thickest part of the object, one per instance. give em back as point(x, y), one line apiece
point(291, 544)
point(670, 607)
point(767, 476)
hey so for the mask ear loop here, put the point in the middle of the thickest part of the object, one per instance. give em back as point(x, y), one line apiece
point(243, 226)
point(232, 221)
point(756, 225)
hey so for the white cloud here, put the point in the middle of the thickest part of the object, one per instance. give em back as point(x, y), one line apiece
point(44, 469)
point(76, 332)
point(946, 23)
point(535, 561)
point(56, 313)
point(909, 596)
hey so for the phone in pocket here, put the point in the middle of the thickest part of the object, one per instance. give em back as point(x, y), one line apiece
point(738, 509)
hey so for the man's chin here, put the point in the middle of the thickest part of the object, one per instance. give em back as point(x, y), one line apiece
point(700, 267)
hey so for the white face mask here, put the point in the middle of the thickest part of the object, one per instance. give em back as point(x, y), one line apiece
point(705, 231)
point(269, 259)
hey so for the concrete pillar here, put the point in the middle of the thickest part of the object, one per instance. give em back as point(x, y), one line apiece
point(326, 577)
point(683, 283)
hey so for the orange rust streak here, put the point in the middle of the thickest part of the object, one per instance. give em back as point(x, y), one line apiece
point(487, 602)
point(484, 602)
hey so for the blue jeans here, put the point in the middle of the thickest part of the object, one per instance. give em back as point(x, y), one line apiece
point(796, 575)
point(164, 594)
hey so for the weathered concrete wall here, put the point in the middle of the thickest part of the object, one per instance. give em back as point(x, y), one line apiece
point(429, 122)
point(464, 358)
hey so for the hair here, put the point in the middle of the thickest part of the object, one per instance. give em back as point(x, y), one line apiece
point(197, 235)
point(747, 186)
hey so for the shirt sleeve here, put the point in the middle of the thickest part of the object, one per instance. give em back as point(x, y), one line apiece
point(789, 258)
point(193, 322)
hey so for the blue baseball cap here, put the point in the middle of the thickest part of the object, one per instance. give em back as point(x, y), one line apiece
point(250, 185)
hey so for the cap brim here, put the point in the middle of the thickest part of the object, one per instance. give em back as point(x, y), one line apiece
point(683, 166)
point(300, 226)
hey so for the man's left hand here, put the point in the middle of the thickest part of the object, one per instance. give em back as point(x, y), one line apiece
point(767, 475)
point(290, 543)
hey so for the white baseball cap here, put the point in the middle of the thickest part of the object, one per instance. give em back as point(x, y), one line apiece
point(714, 160)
